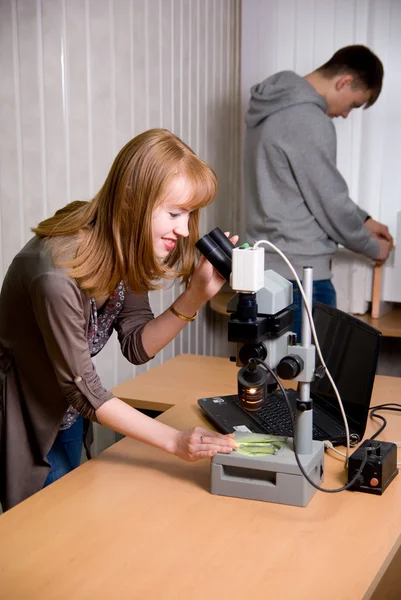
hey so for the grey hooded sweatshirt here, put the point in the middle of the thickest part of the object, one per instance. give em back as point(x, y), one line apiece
point(295, 195)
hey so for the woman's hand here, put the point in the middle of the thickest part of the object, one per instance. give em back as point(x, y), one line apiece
point(206, 281)
point(191, 444)
point(200, 442)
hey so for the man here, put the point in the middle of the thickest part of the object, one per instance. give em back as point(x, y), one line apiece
point(295, 195)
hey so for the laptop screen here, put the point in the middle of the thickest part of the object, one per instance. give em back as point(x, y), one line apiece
point(350, 349)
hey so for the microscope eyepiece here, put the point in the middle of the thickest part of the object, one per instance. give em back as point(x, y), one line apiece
point(222, 241)
point(217, 248)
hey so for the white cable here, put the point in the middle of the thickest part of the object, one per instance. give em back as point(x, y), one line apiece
point(329, 446)
point(301, 289)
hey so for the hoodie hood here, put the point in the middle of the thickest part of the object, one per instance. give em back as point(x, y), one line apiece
point(278, 92)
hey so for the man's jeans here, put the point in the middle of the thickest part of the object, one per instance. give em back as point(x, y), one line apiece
point(323, 291)
point(65, 454)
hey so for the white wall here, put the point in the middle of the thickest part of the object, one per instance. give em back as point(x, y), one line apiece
point(79, 78)
point(301, 35)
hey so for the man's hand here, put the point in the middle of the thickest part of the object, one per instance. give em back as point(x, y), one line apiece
point(379, 231)
point(385, 249)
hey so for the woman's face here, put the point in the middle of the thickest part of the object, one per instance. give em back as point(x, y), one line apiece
point(170, 218)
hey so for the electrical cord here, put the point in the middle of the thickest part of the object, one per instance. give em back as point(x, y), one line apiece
point(312, 483)
point(329, 446)
point(372, 413)
point(315, 339)
point(377, 433)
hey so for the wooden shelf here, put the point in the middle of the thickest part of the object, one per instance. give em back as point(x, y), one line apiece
point(219, 302)
point(389, 324)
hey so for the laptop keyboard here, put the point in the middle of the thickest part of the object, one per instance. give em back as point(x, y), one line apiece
point(273, 416)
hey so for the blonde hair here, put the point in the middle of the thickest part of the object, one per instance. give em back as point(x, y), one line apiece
point(110, 237)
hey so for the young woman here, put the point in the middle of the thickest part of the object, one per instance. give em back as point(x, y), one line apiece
point(86, 272)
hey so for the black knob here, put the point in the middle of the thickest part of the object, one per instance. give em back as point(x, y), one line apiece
point(290, 366)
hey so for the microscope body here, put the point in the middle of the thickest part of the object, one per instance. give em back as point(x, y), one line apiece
point(260, 324)
point(261, 318)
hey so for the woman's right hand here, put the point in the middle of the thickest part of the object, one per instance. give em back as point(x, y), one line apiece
point(206, 282)
point(200, 442)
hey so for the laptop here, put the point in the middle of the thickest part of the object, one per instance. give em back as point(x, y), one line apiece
point(350, 349)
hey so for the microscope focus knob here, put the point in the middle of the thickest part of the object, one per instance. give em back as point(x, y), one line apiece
point(290, 366)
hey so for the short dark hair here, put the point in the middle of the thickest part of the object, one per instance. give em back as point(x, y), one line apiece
point(362, 63)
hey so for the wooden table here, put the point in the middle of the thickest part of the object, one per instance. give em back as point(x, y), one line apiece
point(136, 523)
point(173, 382)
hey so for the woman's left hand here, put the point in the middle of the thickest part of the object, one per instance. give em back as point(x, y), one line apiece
point(200, 442)
point(206, 281)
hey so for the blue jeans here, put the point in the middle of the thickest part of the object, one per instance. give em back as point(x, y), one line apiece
point(323, 291)
point(65, 454)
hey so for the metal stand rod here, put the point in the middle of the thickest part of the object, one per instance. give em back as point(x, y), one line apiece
point(304, 419)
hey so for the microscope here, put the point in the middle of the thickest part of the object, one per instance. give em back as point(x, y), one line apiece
point(260, 324)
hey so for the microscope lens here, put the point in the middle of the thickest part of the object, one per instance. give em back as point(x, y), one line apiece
point(251, 398)
point(251, 387)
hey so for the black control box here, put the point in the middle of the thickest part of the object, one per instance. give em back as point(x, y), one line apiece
point(379, 470)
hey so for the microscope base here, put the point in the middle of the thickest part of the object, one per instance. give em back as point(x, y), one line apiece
point(269, 478)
